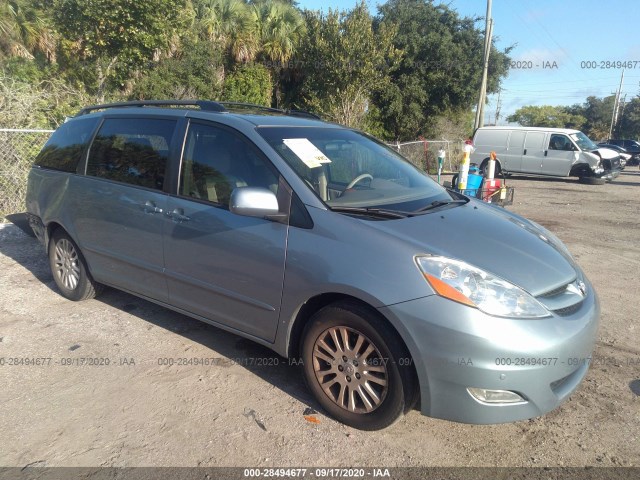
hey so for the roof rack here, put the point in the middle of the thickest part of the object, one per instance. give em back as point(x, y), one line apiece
point(302, 113)
point(250, 106)
point(293, 112)
point(205, 105)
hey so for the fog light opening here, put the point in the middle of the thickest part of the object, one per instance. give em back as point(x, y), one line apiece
point(495, 397)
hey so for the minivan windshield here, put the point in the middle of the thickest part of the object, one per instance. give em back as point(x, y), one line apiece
point(583, 141)
point(349, 169)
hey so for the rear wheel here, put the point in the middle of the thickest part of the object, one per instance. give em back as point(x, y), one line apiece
point(69, 269)
point(592, 180)
point(357, 367)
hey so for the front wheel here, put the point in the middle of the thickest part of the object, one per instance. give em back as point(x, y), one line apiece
point(357, 367)
point(69, 269)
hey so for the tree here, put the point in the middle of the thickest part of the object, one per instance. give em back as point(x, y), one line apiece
point(441, 67)
point(24, 30)
point(116, 35)
point(195, 72)
point(31, 98)
point(229, 25)
point(249, 84)
point(279, 26)
point(629, 123)
point(345, 60)
point(547, 116)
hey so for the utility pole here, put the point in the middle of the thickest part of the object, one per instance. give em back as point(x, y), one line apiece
point(616, 104)
point(479, 121)
point(621, 110)
point(483, 88)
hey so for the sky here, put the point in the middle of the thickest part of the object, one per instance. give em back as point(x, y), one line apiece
point(583, 38)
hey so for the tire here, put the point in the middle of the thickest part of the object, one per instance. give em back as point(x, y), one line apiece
point(592, 180)
point(70, 270)
point(377, 362)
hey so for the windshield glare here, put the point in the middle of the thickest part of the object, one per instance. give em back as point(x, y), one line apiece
point(583, 141)
point(347, 168)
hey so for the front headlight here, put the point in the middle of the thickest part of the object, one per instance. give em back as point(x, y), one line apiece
point(463, 283)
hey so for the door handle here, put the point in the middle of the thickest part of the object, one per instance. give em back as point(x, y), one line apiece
point(525, 151)
point(545, 152)
point(178, 216)
point(150, 207)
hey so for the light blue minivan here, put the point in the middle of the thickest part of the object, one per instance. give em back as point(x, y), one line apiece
point(323, 244)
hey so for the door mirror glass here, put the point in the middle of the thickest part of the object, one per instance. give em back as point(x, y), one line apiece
point(253, 202)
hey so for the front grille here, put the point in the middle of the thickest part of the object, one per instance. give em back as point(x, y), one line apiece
point(564, 300)
point(570, 310)
point(554, 292)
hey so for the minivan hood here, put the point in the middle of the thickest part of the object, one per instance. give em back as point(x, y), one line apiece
point(492, 239)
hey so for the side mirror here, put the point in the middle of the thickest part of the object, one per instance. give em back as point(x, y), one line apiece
point(253, 202)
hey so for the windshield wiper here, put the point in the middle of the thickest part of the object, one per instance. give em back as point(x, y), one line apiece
point(441, 203)
point(372, 212)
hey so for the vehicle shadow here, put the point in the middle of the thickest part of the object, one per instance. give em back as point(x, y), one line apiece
point(18, 242)
point(228, 349)
point(535, 178)
point(285, 374)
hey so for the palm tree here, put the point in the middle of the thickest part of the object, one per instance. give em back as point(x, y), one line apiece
point(229, 24)
point(279, 27)
point(24, 31)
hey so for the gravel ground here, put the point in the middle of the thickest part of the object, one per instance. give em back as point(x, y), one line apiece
point(135, 412)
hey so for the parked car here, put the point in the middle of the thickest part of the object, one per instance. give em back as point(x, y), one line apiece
point(545, 151)
point(625, 157)
point(631, 146)
point(323, 244)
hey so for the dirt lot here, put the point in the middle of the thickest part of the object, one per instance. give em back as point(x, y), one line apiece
point(135, 412)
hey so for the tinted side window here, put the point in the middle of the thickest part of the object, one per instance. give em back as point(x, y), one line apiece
point(217, 160)
point(65, 147)
point(132, 150)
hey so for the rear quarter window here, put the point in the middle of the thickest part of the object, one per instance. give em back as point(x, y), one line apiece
point(66, 145)
point(132, 150)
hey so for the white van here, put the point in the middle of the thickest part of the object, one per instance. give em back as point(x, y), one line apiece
point(559, 152)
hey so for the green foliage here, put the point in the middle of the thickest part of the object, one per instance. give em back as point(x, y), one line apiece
point(597, 112)
point(25, 31)
point(117, 35)
point(249, 84)
point(547, 116)
point(279, 27)
point(345, 60)
point(229, 25)
point(409, 71)
point(33, 99)
point(629, 124)
point(440, 69)
point(195, 73)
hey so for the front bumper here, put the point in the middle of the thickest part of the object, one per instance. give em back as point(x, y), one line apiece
point(454, 347)
point(611, 174)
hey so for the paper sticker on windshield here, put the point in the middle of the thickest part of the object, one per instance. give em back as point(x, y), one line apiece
point(307, 152)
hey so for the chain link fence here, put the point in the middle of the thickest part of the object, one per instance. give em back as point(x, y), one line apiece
point(424, 154)
point(18, 149)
